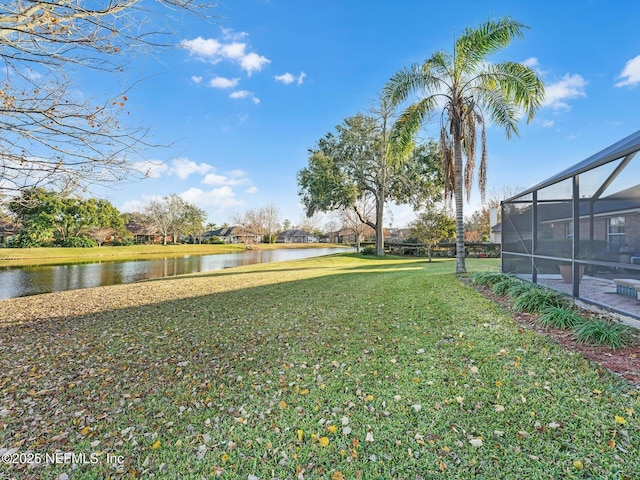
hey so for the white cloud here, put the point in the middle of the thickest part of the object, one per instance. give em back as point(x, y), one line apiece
point(214, 51)
point(150, 168)
point(206, 48)
point(229, 34)
point(139, 205)
point(234, 177)
point(221, 82)
point(630, 74)
point(197, 79)
point(183, 168)
point(220, 180)
point(252, 62)
point(244, 94)
point(287, 78)
point(234, 50)
point(548, 123)
point(531, 62)
point(571, 86)
point(239, 94)
point(252, 189)
point(222, 197)
point(132, 206)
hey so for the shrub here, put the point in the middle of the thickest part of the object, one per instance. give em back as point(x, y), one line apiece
point(488, 279)
point(519, 287)
point(82, 242)
point(602, 332)
point(560, 317)
point(125, 242)
point(502, 287)
point(368, 251)
point(536, 299)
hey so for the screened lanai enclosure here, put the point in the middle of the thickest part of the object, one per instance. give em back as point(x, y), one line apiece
point(579, 231)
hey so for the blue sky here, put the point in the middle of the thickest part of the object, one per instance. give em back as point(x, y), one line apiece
point(243, 97)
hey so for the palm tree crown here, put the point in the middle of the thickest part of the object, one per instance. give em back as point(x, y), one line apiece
point(469, 91)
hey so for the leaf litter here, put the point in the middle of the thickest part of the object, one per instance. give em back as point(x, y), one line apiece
point(307, 373)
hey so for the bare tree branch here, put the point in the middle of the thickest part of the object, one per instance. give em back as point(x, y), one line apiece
point(50, 134)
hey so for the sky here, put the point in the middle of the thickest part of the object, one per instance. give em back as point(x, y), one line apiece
point(242, 98)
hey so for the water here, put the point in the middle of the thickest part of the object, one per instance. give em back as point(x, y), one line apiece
point(24, 281)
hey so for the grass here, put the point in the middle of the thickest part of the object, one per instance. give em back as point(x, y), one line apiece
point(560, 317)
point(337, 367)
point(536, 299)
point(602, 332)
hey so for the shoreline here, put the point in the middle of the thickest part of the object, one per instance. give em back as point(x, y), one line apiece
point(28, 257)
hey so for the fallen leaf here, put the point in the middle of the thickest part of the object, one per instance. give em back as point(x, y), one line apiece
point(476, 442)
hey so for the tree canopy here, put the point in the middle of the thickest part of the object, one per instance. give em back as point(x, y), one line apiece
point(355, 161)
point(44, 216)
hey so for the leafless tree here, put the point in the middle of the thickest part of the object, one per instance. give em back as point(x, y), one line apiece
point(313, 223)
point(264, 221)
point(351, 218)
point(49, 132)
point(270, 219)
point(100, 234)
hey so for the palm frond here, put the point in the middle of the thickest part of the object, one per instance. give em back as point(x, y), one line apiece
point(447, 162)
point(520, 84)
point(509, 84)
point(475, 44)
point(469, 145)
point(408, 124)
point(402, 84)
point(500, 110)
point(482, 170)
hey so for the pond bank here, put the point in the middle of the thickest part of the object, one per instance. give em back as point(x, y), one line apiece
point(20, 281)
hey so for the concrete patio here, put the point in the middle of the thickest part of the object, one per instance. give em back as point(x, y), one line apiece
point(598, 294)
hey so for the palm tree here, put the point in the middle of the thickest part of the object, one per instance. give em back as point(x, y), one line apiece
point(469, 90)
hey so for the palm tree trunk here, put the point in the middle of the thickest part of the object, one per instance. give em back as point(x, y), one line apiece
point(379, 222)
point(459, 196)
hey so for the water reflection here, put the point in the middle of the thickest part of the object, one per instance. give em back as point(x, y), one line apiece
point(24, 281)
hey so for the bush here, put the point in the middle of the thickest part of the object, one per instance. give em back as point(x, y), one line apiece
point(502, 287)
point(560, 317)
point(602, 332)
point(125, 242)
point(488, 279)
point(368, 251)
point(79, 242)
point(519, 287)
point(537, 299)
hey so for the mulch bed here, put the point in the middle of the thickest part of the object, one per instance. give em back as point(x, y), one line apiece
point(624, 362)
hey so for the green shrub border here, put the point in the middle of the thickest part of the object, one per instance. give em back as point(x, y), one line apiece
point(555, 310)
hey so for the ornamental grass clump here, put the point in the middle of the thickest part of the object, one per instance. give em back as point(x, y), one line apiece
point(560, 317)
point(519, 287)
point(536, 299)
point(502, 287)
point(488, 279)
point(599, 331)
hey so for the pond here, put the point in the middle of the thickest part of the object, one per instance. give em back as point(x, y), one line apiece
point(33, 280)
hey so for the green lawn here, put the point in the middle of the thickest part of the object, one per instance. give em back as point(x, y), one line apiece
point(336, 367)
